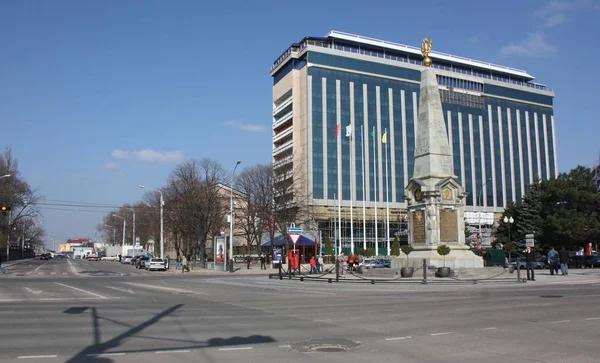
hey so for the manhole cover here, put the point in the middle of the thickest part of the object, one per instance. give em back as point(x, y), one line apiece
point(551, 296)
point(329, 348)
point(325, 345)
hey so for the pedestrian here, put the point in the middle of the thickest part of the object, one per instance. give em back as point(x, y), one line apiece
point(178, 263)
point(184, 265)
point(563, 257)
point(341, 264)
point(553, 261)
point(248, 261)
point(263, 262)
point(529, 260)
point(313, 265)
point(321, 264)
point(1, 269)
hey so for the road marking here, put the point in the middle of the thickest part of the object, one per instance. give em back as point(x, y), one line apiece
point(490, 328)
point(104, 354)
point(119, 289)
point(40, 266)
point(33, 292)
point(241, 348)
point(166, 288)
point(444, 333)
point(580, 282)
point(72, 267)
point(173, 351)
point(285, 346)
point(399, 338)
point(560, 321)
point(592, 319)
point(81, 290)
point(36, 356)
point(51, 299)
point(52, 273)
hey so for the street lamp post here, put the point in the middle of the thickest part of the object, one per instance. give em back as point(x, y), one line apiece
point(162, 232)
point(480, 202)
point(124, 229)
point(508, 221)
point(133, 229)
point(231, 218)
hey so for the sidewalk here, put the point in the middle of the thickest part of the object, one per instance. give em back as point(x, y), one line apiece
point(15, 262)
point(240, 269)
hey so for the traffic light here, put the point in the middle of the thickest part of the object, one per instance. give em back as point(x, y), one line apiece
point(4, 208)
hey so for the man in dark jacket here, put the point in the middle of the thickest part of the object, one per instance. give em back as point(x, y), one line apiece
point(529, 260)
point(563, 257)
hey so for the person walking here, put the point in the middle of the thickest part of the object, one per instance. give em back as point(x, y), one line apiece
point(341, 264)
point(563, 257)
point(263, 262)
point(553, 261)
point(529, 260)
point(178, 263)
point(321, 263)
point(184, 265)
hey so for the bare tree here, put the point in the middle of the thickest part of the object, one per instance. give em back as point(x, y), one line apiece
point(194, 204)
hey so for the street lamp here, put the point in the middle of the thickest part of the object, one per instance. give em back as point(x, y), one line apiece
point(133, 235)
point(162, 233)
point(124, 229)
point(114, 234)
point(5, 176)
point(480, 202)
point(231, 218)
point(508, 222)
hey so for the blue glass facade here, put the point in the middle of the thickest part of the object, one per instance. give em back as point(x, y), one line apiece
point(470, 162)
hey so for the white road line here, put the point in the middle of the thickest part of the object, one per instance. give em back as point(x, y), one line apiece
point(104, 354)
point(166, 288)
point(592, 319)
point(285, 346)
point(490, 328)
point(444, 333)
point(33, 292)
point(560, 321)
point(172, 351)
point(36, 356)
point(81, 290)
point(40, 266)
point(399, 338)
point(240, 348)
point(119, 289)
point(50, 299)
point(73, 269)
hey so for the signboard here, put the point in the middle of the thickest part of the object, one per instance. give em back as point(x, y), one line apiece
point(294, 238)
point(294, 230)
point(137, 241)
point(448, 226)
point(529, 240)
point(418, 232)
point(220, 250)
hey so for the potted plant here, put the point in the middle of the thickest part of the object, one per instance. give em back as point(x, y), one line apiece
point(407, 271)
point(443, 250)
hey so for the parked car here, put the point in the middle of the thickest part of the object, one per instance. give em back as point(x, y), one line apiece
point(584, 261)
point(110, 258)
point(538, 265)
point(156, 264)
point(141, 262)
point(376, 263)
point(127, 259)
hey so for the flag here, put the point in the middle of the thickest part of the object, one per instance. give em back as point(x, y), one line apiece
point(337, 130)
point(384, 138)
point(348, 131)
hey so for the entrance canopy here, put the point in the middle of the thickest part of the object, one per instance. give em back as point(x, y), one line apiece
point(280, 242)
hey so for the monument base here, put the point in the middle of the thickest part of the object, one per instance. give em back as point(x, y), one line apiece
point(460, 257)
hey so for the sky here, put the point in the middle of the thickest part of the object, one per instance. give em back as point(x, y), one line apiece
point(97, 97)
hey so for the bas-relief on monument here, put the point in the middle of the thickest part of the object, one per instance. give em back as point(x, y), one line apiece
point(434, 197)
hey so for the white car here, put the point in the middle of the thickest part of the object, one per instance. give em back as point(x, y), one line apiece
point(127, 259)
point(156, 264)
point(110, 258)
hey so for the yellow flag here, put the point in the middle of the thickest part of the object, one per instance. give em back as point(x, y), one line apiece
point(384, 138)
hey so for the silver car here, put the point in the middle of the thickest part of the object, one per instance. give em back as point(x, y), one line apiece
point(156, 264)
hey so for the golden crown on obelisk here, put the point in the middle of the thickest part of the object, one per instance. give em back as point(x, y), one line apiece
point(425, 49)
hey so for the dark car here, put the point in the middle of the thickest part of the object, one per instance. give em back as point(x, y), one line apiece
point(581, 261)
point(45, 256)
point(141, 262)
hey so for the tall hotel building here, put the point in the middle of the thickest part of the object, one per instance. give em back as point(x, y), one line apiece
point(500, 126)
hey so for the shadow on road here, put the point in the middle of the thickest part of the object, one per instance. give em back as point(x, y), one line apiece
point(95, 353)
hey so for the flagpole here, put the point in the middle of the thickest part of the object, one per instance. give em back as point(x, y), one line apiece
point(334, 229)
point(352, 181)
point(362, 157)
point(339, 194)
point(375, 182)
point(387, 198)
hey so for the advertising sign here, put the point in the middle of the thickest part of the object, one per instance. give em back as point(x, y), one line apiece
point(220, 250)
point(529, 240)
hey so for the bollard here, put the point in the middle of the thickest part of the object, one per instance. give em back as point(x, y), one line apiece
point(518, 274)
point(329, 280)
point(337, 270)
point(424, 282)
point(301, 278)
point(280, 275)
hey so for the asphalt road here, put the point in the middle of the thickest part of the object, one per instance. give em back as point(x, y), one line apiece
point(107, 312)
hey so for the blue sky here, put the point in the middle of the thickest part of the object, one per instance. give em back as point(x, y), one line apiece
point(100, 96)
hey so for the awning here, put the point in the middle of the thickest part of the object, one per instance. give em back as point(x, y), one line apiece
point(280, 242)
